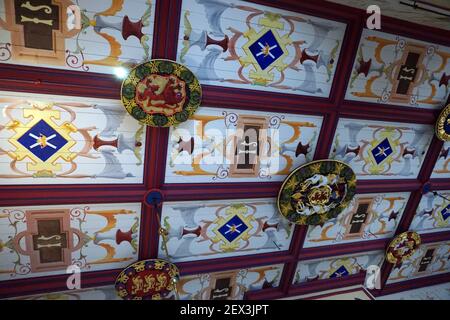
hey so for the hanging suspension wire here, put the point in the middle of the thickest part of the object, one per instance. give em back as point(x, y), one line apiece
point(440, 195)
point(164, 233)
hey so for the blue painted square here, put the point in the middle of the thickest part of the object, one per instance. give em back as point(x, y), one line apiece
point(445, 212)
point(42, 140)
point(266, 50)
point(233, 228)
point(382, 151)
point(341, 272)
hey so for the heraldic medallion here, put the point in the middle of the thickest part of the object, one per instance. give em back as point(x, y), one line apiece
point(402, 247)
point(316, 192)
point(443, 124)
point(152, 279)
point(161, 93)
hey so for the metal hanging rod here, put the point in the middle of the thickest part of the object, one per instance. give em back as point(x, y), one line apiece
point(426, 7)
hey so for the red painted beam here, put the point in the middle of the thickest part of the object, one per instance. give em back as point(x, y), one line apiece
point(20, 78)
point(392, 113)
point(162, 9)
point(326, 136)
point(248, 99)
point(234, 263)
point(326, 284)
point(217, 191)
point(31, 286)
point(167, 22)
point(264, 294)
point(165, 42)
point(412, 284)
point(381, 186)
point(348, 54)
point(430, 160)
point(147, 231)
point(155, 163)
point(440, 184)
point(342, 249)
point(72, 194)
point(242, 190)
point(435, 237)
point(204, 191)
point(289, 269)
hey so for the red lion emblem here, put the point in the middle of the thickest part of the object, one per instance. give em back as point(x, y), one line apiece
point(161, 94)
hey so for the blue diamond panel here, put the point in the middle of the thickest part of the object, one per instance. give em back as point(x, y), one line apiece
point(445, 212)
point(233, 228)
point(382, 151)
point(266, 50)
point(341, 272)
point(42, 140)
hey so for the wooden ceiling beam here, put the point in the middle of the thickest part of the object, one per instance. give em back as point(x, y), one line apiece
point(55, 283)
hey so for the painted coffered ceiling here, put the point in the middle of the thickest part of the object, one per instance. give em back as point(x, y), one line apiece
point(333, 89)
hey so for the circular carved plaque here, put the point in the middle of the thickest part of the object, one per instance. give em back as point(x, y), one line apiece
point(402, 247)
point(152, 279)
point(443, 124)
point(316, 192)
point(161, 93)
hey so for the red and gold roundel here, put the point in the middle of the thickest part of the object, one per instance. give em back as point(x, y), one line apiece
point(161, 93)
point(402, 247)
point(152, 279)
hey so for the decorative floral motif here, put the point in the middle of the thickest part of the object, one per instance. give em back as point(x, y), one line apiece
point(336, 267)
point(391, 69)
point(211, 146)
point(75, 60)
point(380, 150)
point(216, 229)
point(94, 237)
point(237, 44)
point(63, 141)
point(368, 217)
point(100, 43)
point(433, 213)
point(207, 286)
point(5, 51)
point(231, 119)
